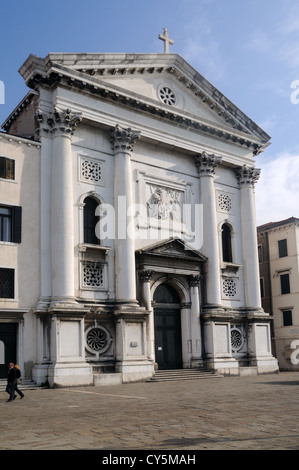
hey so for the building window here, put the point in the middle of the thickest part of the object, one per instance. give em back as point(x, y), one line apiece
point(282, 248)
point(10, 224)
point(7, 168)
point(90, 221)
point(262, 287)
point(93, 274)
point(226, 243)
point(167, 95)
point(287, 318)
point(285, 283)
point(7, 281)
point(224, 202)
point(260, 253)
point(229, 288)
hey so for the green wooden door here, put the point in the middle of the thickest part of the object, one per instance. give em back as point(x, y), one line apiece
point(168, 342)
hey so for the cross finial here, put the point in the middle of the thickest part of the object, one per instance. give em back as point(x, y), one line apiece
point(164, 37)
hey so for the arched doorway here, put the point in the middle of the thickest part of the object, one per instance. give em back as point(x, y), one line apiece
point(167, 320)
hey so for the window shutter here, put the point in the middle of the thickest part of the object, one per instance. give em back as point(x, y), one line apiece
point(10, 169)
point(7, 168)
point(17, 224)
point(2, 167)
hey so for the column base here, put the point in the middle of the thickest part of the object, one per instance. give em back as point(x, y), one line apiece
point(135, 371)
point(63, 302)
point(197, 363)
point(63, 374)
point(224, 366)
point(265, 365)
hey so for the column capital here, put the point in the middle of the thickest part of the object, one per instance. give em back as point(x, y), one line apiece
point(207, 163)
point(123, 140)
point(145, 275)
point(195, 280)
point(57, 121)
point(247, 175)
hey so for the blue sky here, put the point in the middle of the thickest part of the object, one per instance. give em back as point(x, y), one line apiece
point(248, 49)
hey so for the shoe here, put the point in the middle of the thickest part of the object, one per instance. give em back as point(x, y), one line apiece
point(10, 399)
point(22, 397)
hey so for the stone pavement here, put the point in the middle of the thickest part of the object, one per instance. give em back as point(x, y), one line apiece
point(229, 413)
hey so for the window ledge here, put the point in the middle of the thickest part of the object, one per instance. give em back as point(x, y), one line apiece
point(226, 266)
point(83, 247)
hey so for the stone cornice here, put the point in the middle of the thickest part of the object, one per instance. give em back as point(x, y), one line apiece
point(19, 140)
point(237, 128)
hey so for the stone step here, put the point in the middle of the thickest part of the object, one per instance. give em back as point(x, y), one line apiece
point(182, 374)
point(25, 385)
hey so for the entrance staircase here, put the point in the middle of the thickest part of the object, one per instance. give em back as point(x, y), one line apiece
point(25, 385)
point(183, 374)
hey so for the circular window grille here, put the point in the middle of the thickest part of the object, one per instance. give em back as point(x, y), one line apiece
point(98, 339)
point(167, 95)
point(237, 339)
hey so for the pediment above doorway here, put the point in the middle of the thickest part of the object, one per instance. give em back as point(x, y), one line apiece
point(172, 255)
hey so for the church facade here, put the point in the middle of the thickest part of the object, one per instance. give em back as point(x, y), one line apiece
point(133, 184)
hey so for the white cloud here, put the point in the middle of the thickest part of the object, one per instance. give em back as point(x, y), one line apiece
point(290, 24)
point(202, 50)
point(259, 41)
point(277, 191)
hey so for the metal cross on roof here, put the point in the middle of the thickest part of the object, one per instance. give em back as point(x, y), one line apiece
point(164, 37)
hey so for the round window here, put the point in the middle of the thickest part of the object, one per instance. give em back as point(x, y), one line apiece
point(98, 339)
point(237, 339)
point(167, 96)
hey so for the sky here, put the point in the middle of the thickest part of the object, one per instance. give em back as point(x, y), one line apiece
point(248, 49)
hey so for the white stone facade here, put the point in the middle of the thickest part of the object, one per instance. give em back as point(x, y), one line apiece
point(168, 162)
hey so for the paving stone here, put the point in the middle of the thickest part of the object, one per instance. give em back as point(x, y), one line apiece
point(254, 413)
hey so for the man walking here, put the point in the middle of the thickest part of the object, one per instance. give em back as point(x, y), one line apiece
point(18, 380)
point(11, 381)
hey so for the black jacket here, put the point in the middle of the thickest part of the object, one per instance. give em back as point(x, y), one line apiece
point(11, 376)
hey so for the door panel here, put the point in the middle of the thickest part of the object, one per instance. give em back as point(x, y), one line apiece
point(168, 344)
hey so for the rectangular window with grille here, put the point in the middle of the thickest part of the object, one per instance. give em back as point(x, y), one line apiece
point(7, 283)
point(7, 168)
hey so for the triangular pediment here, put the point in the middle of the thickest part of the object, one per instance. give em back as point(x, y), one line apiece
point(174, 248)
point(141, 81)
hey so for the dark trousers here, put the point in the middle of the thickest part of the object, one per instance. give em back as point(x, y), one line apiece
point(19, 392)
point(10, 388)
